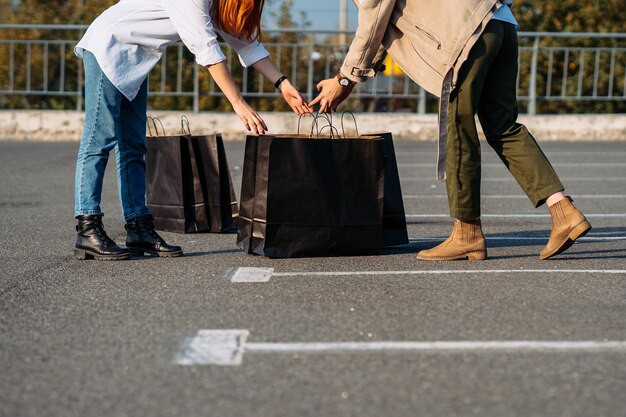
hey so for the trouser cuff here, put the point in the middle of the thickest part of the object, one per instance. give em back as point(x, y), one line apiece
point(464, 213)
point(538, 198)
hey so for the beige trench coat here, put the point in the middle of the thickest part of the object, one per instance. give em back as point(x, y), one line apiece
point(428, 39)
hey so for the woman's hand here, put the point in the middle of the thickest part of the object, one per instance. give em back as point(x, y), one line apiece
point(225, 82)
point(250, 118)
point(296, 101)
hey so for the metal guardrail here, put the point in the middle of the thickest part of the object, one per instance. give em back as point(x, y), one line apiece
point(553, 67)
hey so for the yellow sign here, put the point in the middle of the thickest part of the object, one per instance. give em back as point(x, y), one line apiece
point(391, 68)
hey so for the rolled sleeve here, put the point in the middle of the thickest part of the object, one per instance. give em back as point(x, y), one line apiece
point(210, 56)
point(249, 52)
point(362, 60)
point(252, 54)
point(193, 23)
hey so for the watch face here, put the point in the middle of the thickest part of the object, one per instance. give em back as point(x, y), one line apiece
point(344, 82)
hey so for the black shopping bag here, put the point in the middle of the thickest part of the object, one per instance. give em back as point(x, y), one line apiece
point(189, 187)
point(246, 196)
point(303, 196)
point(394, 217)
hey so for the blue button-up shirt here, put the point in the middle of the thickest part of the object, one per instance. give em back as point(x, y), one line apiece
point(504, 14)
point(129, 38)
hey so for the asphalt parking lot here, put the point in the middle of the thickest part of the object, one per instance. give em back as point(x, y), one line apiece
point(373, 336)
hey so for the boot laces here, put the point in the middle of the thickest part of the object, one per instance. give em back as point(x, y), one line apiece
point(150, 227)
point(99, 228)
point(153, 232)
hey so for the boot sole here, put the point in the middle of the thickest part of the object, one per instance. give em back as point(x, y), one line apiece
point(83, 254)
point(470, 256)
point(138, 253)
point(579, 231)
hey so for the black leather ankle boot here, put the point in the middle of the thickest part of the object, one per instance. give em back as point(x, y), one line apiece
point(141, 237)
point(92, 241)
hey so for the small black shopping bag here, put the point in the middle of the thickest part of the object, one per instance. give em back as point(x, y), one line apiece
point(305, 196)
point(189, 187)
point(246, 196)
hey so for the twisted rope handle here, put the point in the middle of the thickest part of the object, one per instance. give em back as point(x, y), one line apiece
point(313, 124)
point(329, 119)
point(353, 118)
point(331, 129)
point(184, 122)
point(156, 130)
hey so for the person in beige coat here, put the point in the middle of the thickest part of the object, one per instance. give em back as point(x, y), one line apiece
point(465, 53)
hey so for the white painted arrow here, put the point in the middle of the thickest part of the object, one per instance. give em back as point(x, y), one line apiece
point(226, 347)
point(251, 274)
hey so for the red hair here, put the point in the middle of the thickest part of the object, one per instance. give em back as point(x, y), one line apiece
point(240, 18)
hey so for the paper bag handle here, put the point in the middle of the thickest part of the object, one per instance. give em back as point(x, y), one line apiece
point(313, 124)
point(156, 130)
point(331, 130)
point(184, 125)
point(184, 122)
point(329, 119)
point(343, 130)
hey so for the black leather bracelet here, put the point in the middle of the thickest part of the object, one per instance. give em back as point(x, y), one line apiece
point(279, 81)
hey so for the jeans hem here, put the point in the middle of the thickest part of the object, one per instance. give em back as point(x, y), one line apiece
point(86, 213)
point(139, 213)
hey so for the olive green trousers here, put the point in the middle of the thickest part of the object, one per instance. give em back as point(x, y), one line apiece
point(487, 86)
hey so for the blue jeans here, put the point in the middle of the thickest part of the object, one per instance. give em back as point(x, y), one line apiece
point(111, 119)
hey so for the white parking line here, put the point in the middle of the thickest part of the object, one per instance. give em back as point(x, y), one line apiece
point(550, 154)
point(252, 274)
point(516, 196)
point(245, 274)
point(519, 216)
point(510, 178)
point(227, 347)
point(558, 164)
point(521, 238)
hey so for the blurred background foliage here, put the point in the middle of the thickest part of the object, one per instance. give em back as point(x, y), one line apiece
point(592, 16)
point(533, 15)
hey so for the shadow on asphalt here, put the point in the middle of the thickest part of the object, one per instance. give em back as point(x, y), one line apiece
point(403, 249)
point(414, 247)
point(592, 253)
point(211, 252)
point(523, 255)
point(541, 235)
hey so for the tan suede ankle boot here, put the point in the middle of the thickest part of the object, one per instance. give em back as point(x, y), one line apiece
point(568, 224)
point(465, 242)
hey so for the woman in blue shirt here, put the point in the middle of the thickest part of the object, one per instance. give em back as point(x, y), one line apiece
point(119, 49)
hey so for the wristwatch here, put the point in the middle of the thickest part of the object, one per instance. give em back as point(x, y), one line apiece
point(344, 81)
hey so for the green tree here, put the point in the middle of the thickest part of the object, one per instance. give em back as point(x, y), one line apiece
point(43, 71)
point(179, 73)
point(558, 16)
point(576, 66)
point(37, 65)
point(281, 56)
point(278, 13)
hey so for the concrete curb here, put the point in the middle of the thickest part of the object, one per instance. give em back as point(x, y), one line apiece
point(26, 125)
